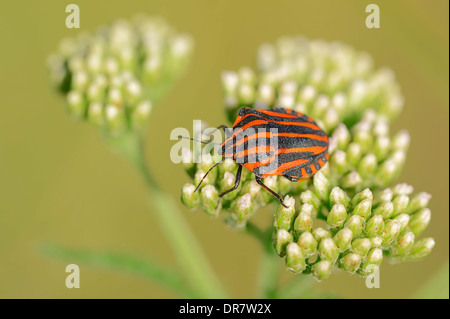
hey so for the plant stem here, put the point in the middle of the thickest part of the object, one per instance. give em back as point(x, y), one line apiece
point(196, 268)
point(270, 263)
point(124, 263)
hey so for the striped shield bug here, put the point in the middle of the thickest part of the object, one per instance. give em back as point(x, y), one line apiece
point(274, 142)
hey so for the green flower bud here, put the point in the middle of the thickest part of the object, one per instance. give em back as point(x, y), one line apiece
point(374, 226)
point(351, 262)
point(209, 197)
point(76, 104)
point(342, 136)
point(404, 221)
point(308, 197)
point(188, 197)
point(367, 166)
point(272, 183)
point(96, 115)
point(403, 189)
point(355, 224)
point(339, 161)
point(242, 209)
point(321, 186)
point(381, 147)
point(303, 223)
point(351, 180)
point(320, 233)
point(401, 141)
point(400, 204)
point(391, 231)
point(422, 248)
point(361, 246)
point(385, 209)
point(307, 243)
point(385, 195)
point(337, 216)
point(354, 153)
point(322, 269)
point(403, 244)
point(251, 187)
point(295, 262)
point(284, 217)
point(372, 262)
point(376, 241)
point(116, 119)
point(365, 194)
point(363, 209)
point(419, 221)
point(199, 176)
point(141, 114)
point(281, 240)
point(363, 139)
point(338, 196)
point(343, 239)
point(328, 250)
point(418, 202)
point(387, 171)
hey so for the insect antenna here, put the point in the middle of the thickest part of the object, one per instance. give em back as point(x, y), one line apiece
point(196, 140)
point(204, 176)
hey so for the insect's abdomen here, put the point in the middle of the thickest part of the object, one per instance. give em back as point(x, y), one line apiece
point(277, 142)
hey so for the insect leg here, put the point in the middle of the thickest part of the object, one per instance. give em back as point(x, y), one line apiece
point(204, 176)
point(259, 181)
point(237, 181)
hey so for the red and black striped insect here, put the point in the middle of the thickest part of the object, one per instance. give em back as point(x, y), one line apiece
point(274, 142)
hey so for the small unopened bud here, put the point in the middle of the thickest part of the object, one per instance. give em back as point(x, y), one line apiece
point(339, 161)
point(381, 147)
point(404, 221)
point(303, 222)
point(367, 166)
point(295, 262)
point(351, 262)
point(281, 240)
point(284, 217)
point(322, 270)
point(343, 239)
point(351, 180)
point(354, 153)
point(400, 204)
point(338, 196)
point(95, 114)
point(418, 202)
point(422, 248)
point(307, 243)
point(308, 197)
point(355, 224)
point(321, 233)
point(385, 209)
point(372, 262)
point(188, 197)
point(419, 221)
point(199, 176)
point(321, 186)
point(141, 113)
point(374, 226)
point(364, 194)
point(76, 104)
point(401, 141)
point(328, 250)
point(403, 244)
point(343, 136)
point(363, 209)
point(209, 197)
point(391, 231)
point(361, 246)
point(337, 216)
point(242, 209)
point(376, 241)
point(115, 118)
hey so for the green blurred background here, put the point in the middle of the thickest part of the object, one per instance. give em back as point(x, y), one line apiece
point(60, 184)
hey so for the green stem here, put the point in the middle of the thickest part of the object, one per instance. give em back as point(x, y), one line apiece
point(192, 262)
point(270, 263)
point(114, 261)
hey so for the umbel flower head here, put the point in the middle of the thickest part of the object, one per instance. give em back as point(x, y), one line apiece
point(111, 78)
point(347, 216)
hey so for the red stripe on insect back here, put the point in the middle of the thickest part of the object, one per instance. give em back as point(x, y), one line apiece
point(256, 149)
point(287, 116)
point(265, 120)
point(314, 149)
point(271, 135)
point(282, 167)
